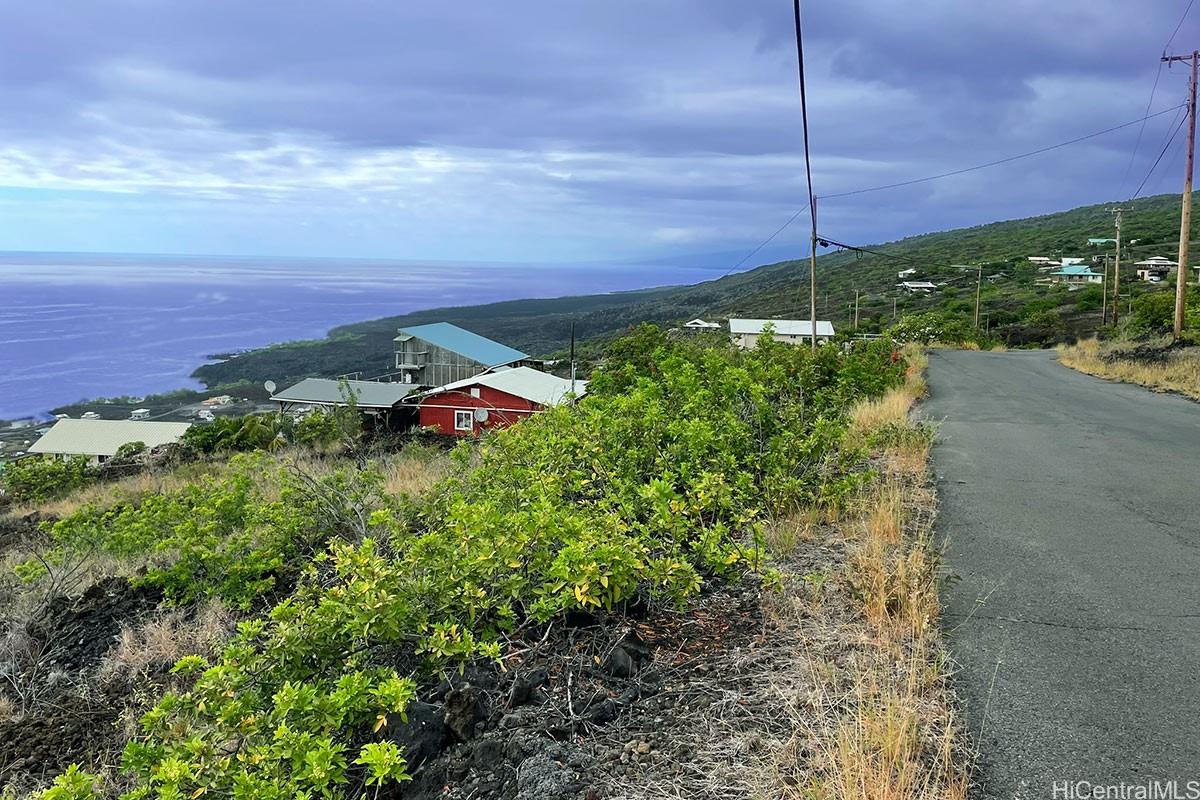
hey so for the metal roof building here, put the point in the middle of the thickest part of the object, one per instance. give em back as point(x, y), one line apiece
point(783, 327)
point(524, 382)
point(439, 353)
point(368, 395)
point(103, 437)
point(464, 342)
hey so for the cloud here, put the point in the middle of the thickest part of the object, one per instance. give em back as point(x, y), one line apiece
point(548, 130)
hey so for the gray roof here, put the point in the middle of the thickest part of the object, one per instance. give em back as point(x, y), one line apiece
point(524, 382)
point(783, 327)
point(459, 340)
point(102, 437)
point(328, 392)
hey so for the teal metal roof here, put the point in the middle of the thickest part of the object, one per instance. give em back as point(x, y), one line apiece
point(461, 341)
point(1075, 269)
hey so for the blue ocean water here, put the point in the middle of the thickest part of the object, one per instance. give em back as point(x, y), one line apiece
point(79, 326)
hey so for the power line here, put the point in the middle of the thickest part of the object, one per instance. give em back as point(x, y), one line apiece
point(764, 242)
point(1177, 27)
point(1150, 102)
point(1141, 130)
point(1005, 160)
point(1162, 153)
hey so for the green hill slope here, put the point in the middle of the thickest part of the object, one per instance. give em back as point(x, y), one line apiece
point(543, 326)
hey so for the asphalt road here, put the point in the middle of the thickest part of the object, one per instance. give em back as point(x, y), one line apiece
point(1070, 510)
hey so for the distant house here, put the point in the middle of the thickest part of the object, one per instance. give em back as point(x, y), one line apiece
point(1099, 242)
point(906, 273)
point(371, 397)
point(492, 400)
point(440, 353)
point(745, 332)
point(219, 400)
point(140, 413)
point(1042, 260)
point(1072, 261)
point(1076, 273)
point(701, 325)
point(1155, 269)
point(916, 287)
point(101, 438)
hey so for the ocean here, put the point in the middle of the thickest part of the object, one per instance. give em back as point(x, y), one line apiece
point(82, 326)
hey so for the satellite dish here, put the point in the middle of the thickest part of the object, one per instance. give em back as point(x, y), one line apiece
point(270, 387)
point(481, 415)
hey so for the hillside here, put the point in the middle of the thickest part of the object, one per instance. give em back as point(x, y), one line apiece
point(543, 326)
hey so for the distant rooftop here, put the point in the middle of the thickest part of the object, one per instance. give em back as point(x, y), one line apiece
point(464, 342)
point(103, 437)
point(1075, 269)
point(783, 327)
point(325, 392)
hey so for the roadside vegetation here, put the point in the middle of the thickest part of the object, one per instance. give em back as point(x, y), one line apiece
point(274, 620)
point(1141, 349)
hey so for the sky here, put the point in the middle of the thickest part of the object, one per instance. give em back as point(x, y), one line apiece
point(562, 130)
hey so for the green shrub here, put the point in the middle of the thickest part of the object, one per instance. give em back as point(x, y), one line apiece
point(130, 449)
point(36, 479)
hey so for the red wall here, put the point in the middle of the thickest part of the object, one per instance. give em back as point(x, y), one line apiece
point(437, 411)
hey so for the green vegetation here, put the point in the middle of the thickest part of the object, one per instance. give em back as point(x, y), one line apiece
point(37, 479)
point(653, 484)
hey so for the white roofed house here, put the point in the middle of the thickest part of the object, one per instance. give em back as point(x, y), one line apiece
point(493, 400)
point(700, 325)
point(745, 332)
point(1155, 269)
point(916, 287)
point(100, 439)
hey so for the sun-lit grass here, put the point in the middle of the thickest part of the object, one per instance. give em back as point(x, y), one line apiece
point(1178, 372)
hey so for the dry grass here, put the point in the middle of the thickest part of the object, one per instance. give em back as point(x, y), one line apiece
point(1178, 372)
point(157, 644)
point(894, 736)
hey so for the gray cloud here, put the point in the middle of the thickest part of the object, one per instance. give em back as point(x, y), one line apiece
point(646, 126)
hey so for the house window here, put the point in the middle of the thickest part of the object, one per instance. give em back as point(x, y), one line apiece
point(464, 420)
point(474, 391)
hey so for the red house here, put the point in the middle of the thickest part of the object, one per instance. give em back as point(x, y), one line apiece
point(492, 400)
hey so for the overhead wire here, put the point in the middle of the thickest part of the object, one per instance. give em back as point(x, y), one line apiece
point(998, 161)
point(1163, 152)
point(1138, 142)
point(1178, 26)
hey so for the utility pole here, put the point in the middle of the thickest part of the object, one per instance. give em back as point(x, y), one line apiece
point(978, 285)
point(1116, 279)
point(856, 309)
point(812, 262)
point(812, 198)
point(1185, 214)
point(1104, 294)
point(893, 308)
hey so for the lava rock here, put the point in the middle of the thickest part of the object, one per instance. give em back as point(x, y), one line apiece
point(424, 735)
point(464, 710)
